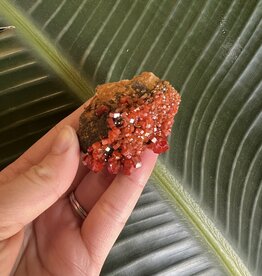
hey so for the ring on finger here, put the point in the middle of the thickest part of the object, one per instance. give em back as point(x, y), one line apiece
point(78, 209)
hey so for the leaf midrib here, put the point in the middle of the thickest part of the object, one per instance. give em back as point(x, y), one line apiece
point(166, 182)
point(51, 55)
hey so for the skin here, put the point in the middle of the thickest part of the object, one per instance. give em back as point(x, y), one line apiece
point(40, 234)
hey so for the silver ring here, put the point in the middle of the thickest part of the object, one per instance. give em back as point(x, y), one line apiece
point(77, 207)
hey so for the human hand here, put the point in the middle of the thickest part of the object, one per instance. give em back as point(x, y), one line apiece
point(40, 234)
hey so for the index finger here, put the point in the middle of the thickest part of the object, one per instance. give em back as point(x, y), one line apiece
point(109, 215)
point(39, 150)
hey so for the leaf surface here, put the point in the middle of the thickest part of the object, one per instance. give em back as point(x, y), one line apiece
point(211, 52)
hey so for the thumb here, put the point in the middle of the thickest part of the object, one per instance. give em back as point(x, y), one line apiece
point(32, 192)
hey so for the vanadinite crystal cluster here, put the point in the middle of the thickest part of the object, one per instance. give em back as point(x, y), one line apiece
point(123, 119)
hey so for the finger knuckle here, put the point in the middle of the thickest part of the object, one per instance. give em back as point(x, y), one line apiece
point(41, 175)
point(112, 211)
point(139, 182)
point(38, 174)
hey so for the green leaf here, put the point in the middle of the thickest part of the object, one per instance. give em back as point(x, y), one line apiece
point(173, 252)
point(202, 212)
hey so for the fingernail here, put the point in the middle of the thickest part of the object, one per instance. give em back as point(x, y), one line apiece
point(63, 141)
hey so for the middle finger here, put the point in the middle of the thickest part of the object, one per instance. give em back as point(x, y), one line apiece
point(92, 186)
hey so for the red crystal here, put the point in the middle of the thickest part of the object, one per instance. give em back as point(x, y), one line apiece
point(138, 122)
point(160, 146)
point(113, 166)
point(97, 166)
point(128, 164)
